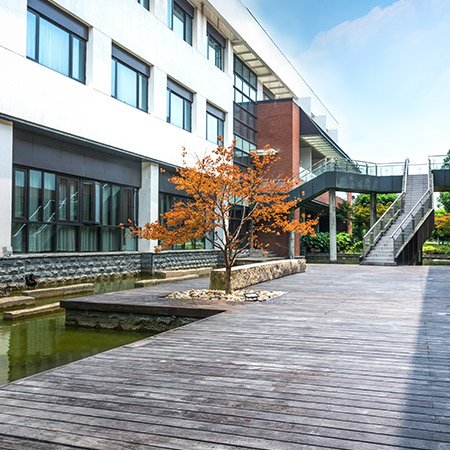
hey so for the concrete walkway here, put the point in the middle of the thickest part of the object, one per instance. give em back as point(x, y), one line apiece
point(350, 357)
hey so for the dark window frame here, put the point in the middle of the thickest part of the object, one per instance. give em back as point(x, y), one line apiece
point(145, 4)
point(141, 69)
point(80, 223)
point(217, 38)
point(187, 96)
point(187, 11)
point(217, 114)
point(47, 11)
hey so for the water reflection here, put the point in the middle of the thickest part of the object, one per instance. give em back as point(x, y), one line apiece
point(42, 343)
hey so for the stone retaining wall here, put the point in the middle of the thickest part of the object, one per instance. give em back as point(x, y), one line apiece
point(247, 275)
point(51, 269)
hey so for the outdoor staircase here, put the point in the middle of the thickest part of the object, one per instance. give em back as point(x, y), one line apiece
point(404, 226)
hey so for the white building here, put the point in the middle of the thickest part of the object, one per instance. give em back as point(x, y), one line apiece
point(98, 95)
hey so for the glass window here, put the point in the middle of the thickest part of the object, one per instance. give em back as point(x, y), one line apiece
point(115, 205)
point(67, 238)
point(127, 205)
point(128, 85)
point(215, 52)
point(144, 3)
point(53, 46)
point(31, 35)
point(181, 22)
point(62, 199)
point(214, 128)
point(106, 208)
point(49, 197)
point(19, 237)
point(89, 239)
point(78, 59)
point(19, 193)
point(111, 238)
point(179, 111)
point(88, 202)
point(34, 204)
point(73, 205)
point(46, 216)
point(40, 237)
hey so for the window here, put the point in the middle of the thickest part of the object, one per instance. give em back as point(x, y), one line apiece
point(144, 3)
point(55, 212)
point(129, 79)
point(166, 201)
point(179, 105)
point(245, 113)
point(215, 120)
point(216, 47)
point(56, 40)
point(268, 94)
point(181, 14)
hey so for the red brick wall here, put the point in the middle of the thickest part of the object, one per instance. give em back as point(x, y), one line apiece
point(279, 127)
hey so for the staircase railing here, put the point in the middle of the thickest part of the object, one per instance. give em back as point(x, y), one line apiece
point(386, 220)
point(349, 166)
point(406, 230)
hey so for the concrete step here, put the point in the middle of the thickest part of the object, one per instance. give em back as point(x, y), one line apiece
point(38, 311)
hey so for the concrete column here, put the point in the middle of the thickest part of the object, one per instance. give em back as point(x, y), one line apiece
point(158, 94)
point(148, 202)
point(6, 152)
point(98, 61)
point(373, 208)
point(199, 116)
point(160, 9)
point(333, 245)
point(199, 36)
point(228, 59)
point(291, 241)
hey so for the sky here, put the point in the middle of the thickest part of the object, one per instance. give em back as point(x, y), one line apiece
point(382, 67)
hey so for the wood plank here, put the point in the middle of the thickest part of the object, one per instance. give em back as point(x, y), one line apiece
point(360, 362)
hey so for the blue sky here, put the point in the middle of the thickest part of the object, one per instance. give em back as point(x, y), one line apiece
point(382, 67)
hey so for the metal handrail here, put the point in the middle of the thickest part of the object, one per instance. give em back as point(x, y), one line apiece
point(427, 196)
point(341, 165)
point(373, 236)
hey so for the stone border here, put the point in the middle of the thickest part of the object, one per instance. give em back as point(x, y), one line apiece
point(247, 275)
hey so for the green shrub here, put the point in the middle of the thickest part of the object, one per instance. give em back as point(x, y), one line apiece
point(321, 241)
point(357, 247)
point(344, 242)
point(435, 249)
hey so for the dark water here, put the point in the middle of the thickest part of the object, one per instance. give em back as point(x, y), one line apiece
point(37, 344)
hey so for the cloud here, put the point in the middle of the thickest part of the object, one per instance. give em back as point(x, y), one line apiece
point(386, 77)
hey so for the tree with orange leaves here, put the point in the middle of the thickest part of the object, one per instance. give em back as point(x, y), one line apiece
point(215, 185)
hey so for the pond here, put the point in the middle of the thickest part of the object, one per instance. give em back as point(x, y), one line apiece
point(41, 343)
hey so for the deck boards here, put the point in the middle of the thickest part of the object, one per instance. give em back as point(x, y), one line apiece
point(349, 358)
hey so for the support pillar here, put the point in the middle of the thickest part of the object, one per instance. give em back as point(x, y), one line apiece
point(333, 244)
point(148, 202)
point(291, 242)
point(373, 209)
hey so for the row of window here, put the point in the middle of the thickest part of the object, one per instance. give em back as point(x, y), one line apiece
point(58, 41)
point(55, 212)
point(244, 112)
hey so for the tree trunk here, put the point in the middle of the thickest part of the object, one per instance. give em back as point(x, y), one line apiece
point(228, 289)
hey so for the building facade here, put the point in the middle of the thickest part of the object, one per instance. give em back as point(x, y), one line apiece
point(98, 96)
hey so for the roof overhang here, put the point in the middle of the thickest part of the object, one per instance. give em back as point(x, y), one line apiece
point(262, 70)
point(312, 135)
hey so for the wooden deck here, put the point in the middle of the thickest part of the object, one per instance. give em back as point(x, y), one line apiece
point(350, 358)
